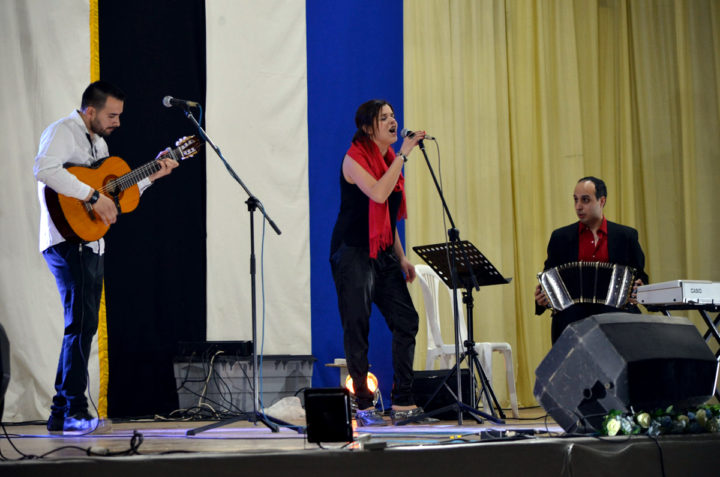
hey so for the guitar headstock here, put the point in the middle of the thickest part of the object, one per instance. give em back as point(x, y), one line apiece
point(187, 146)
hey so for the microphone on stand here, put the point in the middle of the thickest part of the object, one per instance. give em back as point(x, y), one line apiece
point(169, 102)
point(407, 133)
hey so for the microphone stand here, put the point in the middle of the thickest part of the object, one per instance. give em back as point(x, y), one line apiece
point(454, 237)
point(253, 204)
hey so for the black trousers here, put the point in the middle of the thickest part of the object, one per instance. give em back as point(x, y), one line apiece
point(361, 281)
point(79, 275)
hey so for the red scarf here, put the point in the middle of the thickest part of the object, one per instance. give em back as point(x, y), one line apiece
point(367, 154)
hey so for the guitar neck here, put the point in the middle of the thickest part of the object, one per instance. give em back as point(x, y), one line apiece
point(146, 170)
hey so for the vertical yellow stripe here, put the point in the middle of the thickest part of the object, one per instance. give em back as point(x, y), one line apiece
point(94, 42)
point(102, 316)
point(103, 357)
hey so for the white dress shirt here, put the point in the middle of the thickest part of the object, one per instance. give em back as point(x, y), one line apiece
point(67, 141)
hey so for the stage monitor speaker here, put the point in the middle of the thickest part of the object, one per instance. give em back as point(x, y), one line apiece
point(328, 416)
point(427, 382)
point(619, 360)
point(4, 367)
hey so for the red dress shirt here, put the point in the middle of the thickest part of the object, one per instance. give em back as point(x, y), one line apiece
point(588, 250)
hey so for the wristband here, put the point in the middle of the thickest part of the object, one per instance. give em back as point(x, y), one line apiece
point(94, 198)
point(405, 158)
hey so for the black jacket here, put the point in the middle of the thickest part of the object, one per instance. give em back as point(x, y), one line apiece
point(623, 249)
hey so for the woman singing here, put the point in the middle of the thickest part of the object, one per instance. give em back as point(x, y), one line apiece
point(367, 257)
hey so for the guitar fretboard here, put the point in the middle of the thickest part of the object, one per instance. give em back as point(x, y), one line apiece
point(118, 185)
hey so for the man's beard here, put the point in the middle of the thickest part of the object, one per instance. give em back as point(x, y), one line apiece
point(96, 127)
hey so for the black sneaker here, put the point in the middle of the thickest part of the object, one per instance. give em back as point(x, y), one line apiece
point(415, 416)
point(55, 423)
point(80, 421)
point(372, 417)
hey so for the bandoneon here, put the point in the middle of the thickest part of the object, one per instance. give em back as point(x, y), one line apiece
point(587, 282)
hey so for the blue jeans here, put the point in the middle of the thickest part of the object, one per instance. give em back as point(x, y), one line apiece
point(361, 281)
point(79, 276)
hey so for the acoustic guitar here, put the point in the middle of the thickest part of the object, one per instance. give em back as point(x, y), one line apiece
point(75, 219)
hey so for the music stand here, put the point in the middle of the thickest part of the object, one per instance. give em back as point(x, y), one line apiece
point(472, 269)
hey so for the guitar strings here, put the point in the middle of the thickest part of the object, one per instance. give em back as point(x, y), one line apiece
point(121, 183)
point(131, 178)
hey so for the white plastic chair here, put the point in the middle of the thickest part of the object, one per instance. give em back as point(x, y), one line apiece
point(430, 284)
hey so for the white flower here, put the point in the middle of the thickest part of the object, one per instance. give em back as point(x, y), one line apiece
point(701, 417)
point(613, 426)
point(643, 419)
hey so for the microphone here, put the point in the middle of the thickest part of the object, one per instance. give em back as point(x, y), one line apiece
point(407, 133)
point(169, 102)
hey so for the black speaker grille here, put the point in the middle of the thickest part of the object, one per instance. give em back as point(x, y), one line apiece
point(619, 360)
point(327, 413)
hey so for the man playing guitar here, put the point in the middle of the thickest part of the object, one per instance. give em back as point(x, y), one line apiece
point(78, 267)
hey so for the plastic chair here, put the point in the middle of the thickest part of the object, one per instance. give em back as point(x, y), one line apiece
point(430, 284)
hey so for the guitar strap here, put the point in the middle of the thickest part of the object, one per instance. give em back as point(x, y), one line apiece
point(92, 148)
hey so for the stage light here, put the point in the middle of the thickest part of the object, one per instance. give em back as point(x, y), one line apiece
point(372, 383)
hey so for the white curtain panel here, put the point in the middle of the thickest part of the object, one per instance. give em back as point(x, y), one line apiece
point(256, 112)
point(45, 53)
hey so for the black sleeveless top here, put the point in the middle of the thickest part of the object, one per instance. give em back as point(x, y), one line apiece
point(351, 226)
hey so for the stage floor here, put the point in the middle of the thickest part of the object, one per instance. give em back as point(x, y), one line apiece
point(243, 436)
point(531, 445)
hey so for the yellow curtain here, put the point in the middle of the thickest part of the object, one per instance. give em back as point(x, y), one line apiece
point(525, 97)
point(102, 336)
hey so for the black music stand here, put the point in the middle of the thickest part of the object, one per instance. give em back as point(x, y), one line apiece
point(472, 269)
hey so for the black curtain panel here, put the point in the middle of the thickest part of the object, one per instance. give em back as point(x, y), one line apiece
point(155, 269)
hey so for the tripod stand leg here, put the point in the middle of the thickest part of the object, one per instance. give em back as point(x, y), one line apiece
point(490, 397)
point(269, 421)
point(459, 406)
point(213, 425)
point(443, 384)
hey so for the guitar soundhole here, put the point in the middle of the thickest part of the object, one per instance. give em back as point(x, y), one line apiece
point(111, 187)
